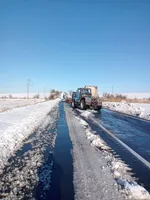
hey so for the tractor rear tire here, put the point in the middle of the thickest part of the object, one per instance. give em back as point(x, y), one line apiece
point(82, 105)
point(98, 108)
point(73, 105)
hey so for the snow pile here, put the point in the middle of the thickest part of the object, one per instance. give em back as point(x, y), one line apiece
point(86, 114)
point(18, 124)
point(129, 108)
point(145, 110)
point(93, 137)
point(83, 123)
point(134, 190)
point(96, 140)
point(116, 168)
point(124, 107)
point(119, 169)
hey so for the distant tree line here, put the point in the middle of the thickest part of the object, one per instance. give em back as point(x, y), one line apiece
point(108, 96)
point(120, 97)
point(54, 94)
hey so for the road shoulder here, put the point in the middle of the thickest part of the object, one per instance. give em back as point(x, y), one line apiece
point(92, 178)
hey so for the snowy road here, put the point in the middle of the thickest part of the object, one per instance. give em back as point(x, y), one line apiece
point(69, 158)
point(133, 133)
point(92, 177)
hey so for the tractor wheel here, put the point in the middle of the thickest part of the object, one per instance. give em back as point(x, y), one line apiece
point(82, 104)
point(73, 105)
point(98, 108)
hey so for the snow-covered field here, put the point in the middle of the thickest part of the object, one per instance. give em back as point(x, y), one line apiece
point(136, 109)
point(6, 104)
point(17, 124)
point(24, 95)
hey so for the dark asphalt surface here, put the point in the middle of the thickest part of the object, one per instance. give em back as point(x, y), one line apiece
point(62, 174)
point(133, 132)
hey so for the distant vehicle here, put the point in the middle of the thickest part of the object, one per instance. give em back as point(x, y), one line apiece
point(86, 97)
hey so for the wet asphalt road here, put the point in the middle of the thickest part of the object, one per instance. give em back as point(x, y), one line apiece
point(133, 132)
point(57, 180)
point(62, 173)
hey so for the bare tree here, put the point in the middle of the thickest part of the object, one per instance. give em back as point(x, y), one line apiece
point(10, 96)
point(36, 96)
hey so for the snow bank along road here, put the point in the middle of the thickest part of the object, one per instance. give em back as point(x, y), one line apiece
point(27, 173)
point(141, 110)
point(39, 169)
point(17, 124)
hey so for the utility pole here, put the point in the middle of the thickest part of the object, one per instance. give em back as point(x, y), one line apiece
point(112, 90)
point(28, 88)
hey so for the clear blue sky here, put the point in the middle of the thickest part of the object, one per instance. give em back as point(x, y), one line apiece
point(65, 44)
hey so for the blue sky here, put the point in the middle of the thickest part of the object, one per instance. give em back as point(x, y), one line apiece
point(65, 44)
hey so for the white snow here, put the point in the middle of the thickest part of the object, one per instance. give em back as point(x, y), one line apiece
point(116, 174)
point(33, 167)
point(6, 104)
point(95, 139)
point(90, 136)
point(62, 95)
point(116, 165)
point(17, 124)
point(84, 123)
point(119, 169)
point(134, 190)
point(145, 109)
point(136, 109)
point(24, 95)
point(86, 113)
